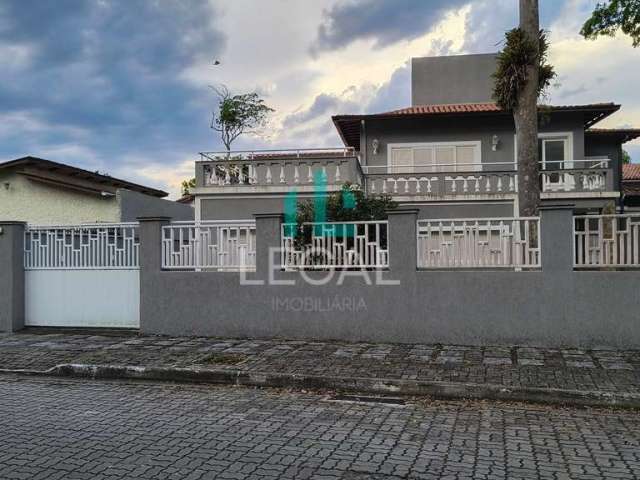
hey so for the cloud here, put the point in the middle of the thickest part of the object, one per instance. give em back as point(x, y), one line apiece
point(488, 20)
point(105, 76)
point(380, 21)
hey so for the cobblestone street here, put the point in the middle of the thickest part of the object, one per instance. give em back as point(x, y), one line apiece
point(71, 429)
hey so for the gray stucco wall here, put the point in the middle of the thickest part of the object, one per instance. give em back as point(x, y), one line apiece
point(11, 276)
point(596, 146)
point(246, 208)
point(243, 208)
point(473, 128)
point(452, 79)
point(133, 205)
point(461, 209)
point(552, 307)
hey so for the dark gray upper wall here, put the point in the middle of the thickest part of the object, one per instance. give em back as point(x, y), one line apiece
point(441, 128)
point(452, 79)
point(134, 205)
point(600, 146)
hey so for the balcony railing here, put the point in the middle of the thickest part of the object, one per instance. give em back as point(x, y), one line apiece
point(498, 178)
point(279, 168)
point(576, 176)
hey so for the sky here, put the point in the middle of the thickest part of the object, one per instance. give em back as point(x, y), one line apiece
point(123, 87)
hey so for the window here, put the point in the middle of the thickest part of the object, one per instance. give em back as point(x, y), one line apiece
point(434, 157)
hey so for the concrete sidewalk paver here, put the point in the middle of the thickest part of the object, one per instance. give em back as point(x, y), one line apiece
point(597, 370)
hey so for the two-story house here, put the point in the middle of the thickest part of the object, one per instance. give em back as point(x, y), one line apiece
point(451, 154)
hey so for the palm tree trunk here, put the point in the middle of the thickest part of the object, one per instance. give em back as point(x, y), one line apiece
point(526, 120)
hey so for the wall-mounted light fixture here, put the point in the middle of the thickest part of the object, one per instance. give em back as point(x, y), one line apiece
point(495, 143)
point(375, 144)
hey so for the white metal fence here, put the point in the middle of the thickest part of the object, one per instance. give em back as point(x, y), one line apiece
point(479, 243)
point(335, 245)
point(606, 241)
point(222, 245)
point(81, 247)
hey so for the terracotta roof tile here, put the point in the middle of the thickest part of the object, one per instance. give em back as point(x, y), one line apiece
point(631, 171)
point(445, 108)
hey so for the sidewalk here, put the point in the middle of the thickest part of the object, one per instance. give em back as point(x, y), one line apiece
point(571, 376)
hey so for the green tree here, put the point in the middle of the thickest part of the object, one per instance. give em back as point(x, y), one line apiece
point(238, 114)
point(626, 158)
point(609, 17)
point(350, 204)
point(521, 77)
point(187, 185)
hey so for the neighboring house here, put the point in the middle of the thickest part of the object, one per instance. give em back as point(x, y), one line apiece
point(452, 153)
point(631, 186)
point(43, 192)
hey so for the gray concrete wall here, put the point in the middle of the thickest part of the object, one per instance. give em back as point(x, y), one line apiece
point(552, 307)
point(597, 146)
point(11, 276)
point(473, 128)
point(245, 207)
point(452, 79)
point(133, 205)
point(461, 209)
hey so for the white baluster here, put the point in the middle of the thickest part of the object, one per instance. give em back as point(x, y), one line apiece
point(418, 188)
point(453, 185)
point(499, 187)
point(373, 186)
point(268, 177)
point(395, 186)
point(227, 176)
point(384, 186)
point(282, 178)
point(296, 175)
point(477, 185)
point(465, 184)
point(487, 187)
point(337, 177)
point(309, 175)
point(511, 184)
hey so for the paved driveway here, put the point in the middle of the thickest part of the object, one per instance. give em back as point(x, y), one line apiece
point(52, 429)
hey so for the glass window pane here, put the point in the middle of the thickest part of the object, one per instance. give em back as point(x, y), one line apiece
point(554, 154)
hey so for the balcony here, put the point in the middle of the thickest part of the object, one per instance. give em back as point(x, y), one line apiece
point(443, 182)
point(590, 178)
point(282, 171)
point(276, 170)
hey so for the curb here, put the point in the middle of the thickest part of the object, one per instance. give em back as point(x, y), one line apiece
point(359, 385)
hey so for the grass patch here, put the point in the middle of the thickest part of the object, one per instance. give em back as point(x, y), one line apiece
point(223, 358)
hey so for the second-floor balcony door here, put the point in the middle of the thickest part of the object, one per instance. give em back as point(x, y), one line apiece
point(554, 157)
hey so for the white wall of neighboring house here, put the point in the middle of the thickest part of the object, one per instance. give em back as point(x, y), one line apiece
point(37, 203)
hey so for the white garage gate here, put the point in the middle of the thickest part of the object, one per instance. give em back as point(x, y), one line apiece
point(82, 276)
